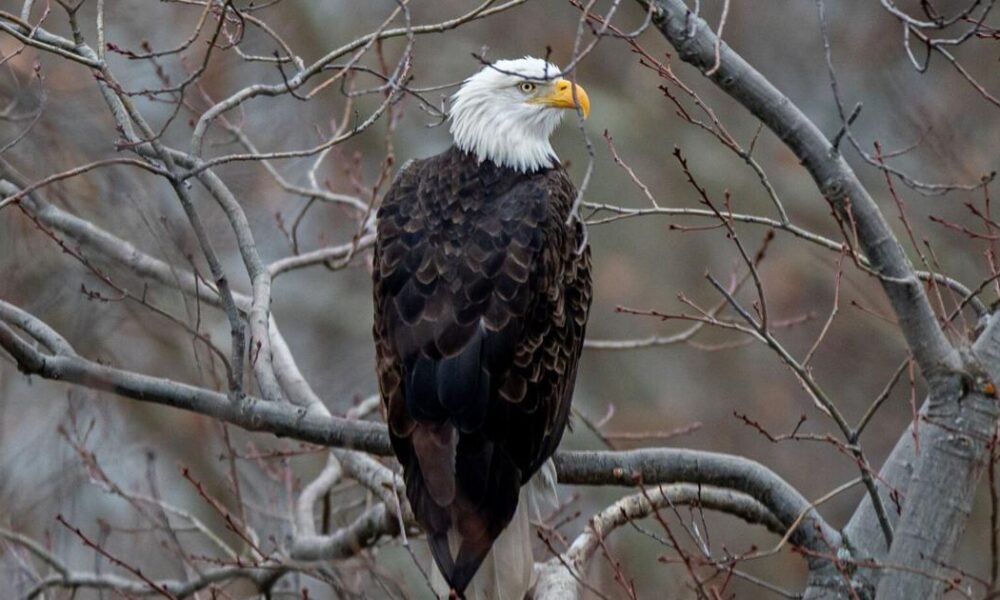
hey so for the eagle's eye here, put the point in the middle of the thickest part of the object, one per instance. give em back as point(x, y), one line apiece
point(526, 86)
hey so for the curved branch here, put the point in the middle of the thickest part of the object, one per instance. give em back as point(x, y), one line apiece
point(651, 466)
point(37, 329)
point(560, 576)
point(343, 252)
point(345, 542)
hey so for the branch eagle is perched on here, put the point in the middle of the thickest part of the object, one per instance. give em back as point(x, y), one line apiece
point(481, 298)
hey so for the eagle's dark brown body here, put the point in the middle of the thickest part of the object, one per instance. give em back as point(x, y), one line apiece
point(481, 300)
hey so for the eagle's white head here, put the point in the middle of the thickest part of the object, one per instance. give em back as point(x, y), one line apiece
point(506, 112)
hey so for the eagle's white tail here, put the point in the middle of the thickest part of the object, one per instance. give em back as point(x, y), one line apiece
point(507, 573)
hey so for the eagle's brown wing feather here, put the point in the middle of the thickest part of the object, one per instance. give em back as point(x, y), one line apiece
point(481, 299)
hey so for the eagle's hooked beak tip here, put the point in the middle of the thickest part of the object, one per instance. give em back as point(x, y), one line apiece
point(570, 95)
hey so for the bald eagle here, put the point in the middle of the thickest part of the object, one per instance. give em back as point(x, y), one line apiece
point(481, 293)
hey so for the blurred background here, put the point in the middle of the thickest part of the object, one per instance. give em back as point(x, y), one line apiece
point(53, 437)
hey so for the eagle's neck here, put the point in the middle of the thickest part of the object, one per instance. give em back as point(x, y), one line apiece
point(490, 170)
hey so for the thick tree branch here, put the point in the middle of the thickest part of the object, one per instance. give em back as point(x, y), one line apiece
point(250, 413)
point(648, 467)
point(962, 416)
point(895, 475)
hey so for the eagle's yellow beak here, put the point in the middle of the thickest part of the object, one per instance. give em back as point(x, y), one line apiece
point(567, 94)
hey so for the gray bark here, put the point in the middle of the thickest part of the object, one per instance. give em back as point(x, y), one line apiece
point(956, 430)
point(913, 475)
